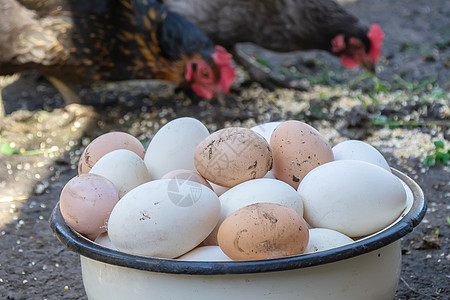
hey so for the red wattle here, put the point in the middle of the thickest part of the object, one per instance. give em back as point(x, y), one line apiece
point(202, 91)
point(348, 61)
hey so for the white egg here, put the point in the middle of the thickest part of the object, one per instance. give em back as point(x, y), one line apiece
point(124, 168)
point(261, 190)
point(218, 189)
point(103, 239)
point(321, 239)
point(269, 175)
point(173, 146)
point(164, 219)
point(205, 253)
point(266, 129)
point(359, 150)
point(353, 197)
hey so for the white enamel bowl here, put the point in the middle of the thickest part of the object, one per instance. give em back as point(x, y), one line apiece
point(366, 269)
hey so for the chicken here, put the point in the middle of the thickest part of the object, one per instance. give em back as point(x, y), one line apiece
point(286, 25)
point(86, 41)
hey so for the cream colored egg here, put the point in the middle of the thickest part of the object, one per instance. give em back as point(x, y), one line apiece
point(353, 197)
point(183, 174)
point(233, 155)
point(173, 146)
point(86, 202)
point(359, 150)
point(266, 129)
point(124, 168)
point(297, 148)
point(103, 239)
point(262, 190)
point(218, 189)
point(269, 175)
point(106, 143)
point(321, 239)
point(263, 231)
point(163, 219)
point(205, 253)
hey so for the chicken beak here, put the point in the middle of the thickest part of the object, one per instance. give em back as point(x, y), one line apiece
point(368, 65)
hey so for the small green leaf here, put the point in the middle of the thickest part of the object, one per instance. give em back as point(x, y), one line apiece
point(436, 232)
point(323, 95)
point(379, 85)
point(429, 160)
point(448, 220)
point(6, 149)
point(441, 157)
point(264, 62)
point(439, 144)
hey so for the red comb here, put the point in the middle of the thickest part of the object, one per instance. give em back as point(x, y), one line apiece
point(227, 72)
point(376, 37)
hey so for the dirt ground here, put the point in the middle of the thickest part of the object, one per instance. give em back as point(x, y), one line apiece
point(401, 117)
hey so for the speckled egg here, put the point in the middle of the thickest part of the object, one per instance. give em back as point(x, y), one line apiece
point(233, 155)
point(297, 148)
point(263, 231)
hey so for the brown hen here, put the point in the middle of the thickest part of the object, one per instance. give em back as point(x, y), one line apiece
point(110, 40)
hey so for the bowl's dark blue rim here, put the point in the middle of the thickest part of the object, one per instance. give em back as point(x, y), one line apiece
point(83, 246)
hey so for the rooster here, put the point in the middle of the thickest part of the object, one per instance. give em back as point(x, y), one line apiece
point(84, 41)
point(286, 25)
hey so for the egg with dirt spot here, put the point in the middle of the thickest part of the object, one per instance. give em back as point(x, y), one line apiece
point(297, 148)
point(263, 231)
point(163, 218)
point(233, 155)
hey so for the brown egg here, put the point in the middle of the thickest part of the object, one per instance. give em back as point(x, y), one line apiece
point(183, 174)
point(106, 143)
point(263, 231)
point(297, 148)
point(86, 202)
point(233, 155)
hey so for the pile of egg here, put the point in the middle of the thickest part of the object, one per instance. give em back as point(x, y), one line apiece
point(275, 190)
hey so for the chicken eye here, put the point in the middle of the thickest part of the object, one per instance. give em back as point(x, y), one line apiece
point(205, 73)
point(356, 43)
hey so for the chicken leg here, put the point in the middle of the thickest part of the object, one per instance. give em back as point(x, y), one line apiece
point(67, 93)
point(2, 107)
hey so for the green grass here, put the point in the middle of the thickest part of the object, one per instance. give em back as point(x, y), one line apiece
point(438, 156)
point(327, 77)
point(7, 149)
